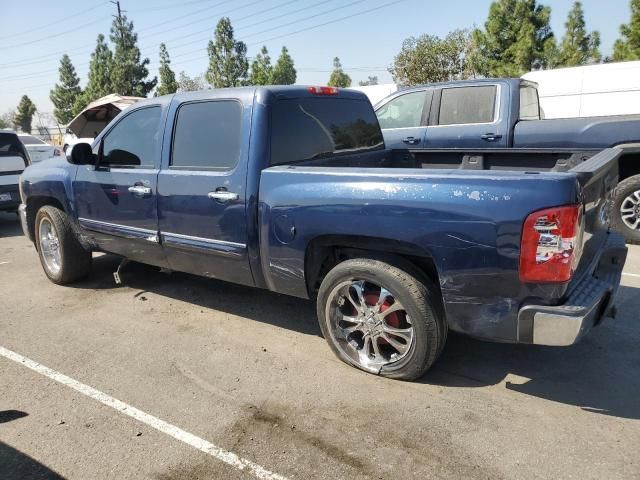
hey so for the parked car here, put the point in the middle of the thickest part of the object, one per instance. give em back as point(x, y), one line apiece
point(39, 150)
point(504, 113)
point(292, 189)
point(91, 121)
point(589, 91)
point(13, 160)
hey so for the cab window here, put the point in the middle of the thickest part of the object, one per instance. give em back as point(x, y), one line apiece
point(405, 111)
point(134, 141)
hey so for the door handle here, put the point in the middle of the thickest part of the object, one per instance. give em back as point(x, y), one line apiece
point(411, 140)
point(223, 196)
point(140, 190)
point(491, 137)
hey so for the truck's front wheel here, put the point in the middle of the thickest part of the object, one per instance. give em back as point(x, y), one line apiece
point(63, 258)
point(380, 318)
point(626, 209)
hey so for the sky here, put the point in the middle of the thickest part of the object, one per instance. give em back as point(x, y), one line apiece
point(364, 34)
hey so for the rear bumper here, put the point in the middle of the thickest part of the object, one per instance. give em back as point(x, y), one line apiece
point(12, 203)
point(588, 303)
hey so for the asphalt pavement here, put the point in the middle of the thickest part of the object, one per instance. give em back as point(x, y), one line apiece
point(171, 376)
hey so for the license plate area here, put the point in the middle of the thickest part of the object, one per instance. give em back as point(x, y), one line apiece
point(5, 197)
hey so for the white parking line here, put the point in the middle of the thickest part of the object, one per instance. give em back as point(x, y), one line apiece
point(154, 422)
point(631, 275)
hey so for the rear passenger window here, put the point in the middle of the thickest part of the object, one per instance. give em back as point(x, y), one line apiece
point(529, 104)
point(404, 111)
point(462, 105)
point(207, 135)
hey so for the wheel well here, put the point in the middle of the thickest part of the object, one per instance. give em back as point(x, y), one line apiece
point(629, 164)
point(33, 205)
point(326, 252)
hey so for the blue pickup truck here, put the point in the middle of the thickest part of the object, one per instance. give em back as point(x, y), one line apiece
point(492, 114)
point(292, 189)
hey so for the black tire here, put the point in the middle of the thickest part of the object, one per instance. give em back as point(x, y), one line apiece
point(624, 189)
point(75, 259)
point(419, 299)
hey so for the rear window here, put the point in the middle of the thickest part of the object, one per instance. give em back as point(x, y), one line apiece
point(10, 145)
point(310, 128)
point(460, 105)
point(31, 140)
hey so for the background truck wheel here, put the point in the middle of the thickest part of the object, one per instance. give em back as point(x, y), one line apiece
point(380, 318)
point(63, 258)
point(625, 213)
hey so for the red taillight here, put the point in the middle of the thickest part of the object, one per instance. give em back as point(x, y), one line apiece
point(551, 244)
point(323, 90)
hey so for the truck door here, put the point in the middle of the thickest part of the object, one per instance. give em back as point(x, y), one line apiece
point(116, 202)
point(202, 188)
point(403, 119)
point(467, 116)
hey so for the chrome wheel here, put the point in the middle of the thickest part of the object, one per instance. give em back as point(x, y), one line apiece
point(369, 325)
point(50, 246)
point(630, 210)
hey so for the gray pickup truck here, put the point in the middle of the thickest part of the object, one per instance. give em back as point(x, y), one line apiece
point(470, 119)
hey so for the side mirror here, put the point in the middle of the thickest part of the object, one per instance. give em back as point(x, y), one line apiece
point(81, 154)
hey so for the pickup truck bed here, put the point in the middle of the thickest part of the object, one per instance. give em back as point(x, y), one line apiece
point(292, 189)
point(504, 114)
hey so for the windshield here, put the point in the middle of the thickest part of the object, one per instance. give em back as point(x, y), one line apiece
point(309, 128)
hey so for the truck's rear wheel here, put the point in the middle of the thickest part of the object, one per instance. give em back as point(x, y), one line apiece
point(63, 258)
point(626, 209)
point(380, 318)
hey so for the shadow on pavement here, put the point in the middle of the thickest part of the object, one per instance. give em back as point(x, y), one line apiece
point(599, 374)
point(9, 225)
point(7, 416)
point(261, 305)
point(15, 465)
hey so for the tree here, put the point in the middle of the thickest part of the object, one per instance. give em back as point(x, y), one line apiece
point(516, 38)
point(627, 47)
point(338, 78)
point(428, 59)
point(189, 84)
point(261, 68)
point(578, 47)
point(129, 72)
point(284, 72)
point(6, 119)
point(371, 80)
point(99, 78)
point(228, 64)
point(64, 96)
point(24, 114)
point(168, 82)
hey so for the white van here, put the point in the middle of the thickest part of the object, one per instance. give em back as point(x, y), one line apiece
point(590, 91)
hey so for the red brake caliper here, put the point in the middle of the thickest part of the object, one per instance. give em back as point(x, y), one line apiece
point(393, 319)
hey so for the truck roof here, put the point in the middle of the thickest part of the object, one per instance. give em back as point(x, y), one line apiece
point(470, 81)
point(266, 94)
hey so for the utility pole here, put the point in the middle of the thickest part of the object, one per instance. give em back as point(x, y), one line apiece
point(119, 17)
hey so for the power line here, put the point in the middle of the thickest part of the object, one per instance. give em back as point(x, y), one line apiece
point(24, 32)
point(49, 37)
point(208, 30)
point(329, 22)
point(312, 27)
